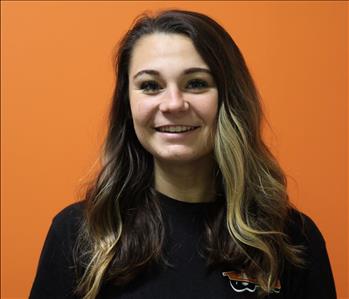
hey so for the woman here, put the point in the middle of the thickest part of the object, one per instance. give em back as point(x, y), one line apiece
point(189, 202)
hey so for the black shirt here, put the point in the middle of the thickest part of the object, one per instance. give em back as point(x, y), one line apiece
point(189, 278)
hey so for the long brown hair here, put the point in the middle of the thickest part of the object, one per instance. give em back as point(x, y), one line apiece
point(123, 232)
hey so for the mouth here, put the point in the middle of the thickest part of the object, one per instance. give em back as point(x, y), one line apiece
point(175, 129)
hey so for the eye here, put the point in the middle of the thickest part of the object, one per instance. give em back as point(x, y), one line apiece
point(197, 84)
point(150, 87)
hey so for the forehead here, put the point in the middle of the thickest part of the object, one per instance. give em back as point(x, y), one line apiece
point(163, 52)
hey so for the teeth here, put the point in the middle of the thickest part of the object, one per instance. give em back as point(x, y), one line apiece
point(175, 129)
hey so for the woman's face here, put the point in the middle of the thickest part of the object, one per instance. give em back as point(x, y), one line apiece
point(173, 98)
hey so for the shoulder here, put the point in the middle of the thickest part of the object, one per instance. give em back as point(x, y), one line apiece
point(314, 278)
point(56, 276)
point(305, 234)
point(302, 230)
point(72, 212)
point(66, 223)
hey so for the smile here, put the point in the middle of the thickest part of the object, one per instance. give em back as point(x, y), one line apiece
point(175, 129)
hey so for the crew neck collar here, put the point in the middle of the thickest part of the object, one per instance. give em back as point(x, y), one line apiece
point(171, 202)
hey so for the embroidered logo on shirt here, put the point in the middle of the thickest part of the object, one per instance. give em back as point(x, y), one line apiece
point(240, 282)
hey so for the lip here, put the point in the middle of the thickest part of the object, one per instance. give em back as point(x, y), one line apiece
point(175, 125)
point(176, 135)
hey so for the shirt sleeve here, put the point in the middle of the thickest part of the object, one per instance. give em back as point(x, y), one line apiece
point(55, 276)
point(319, 278)
point(314, 280)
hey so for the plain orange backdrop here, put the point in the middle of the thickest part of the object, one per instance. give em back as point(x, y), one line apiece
point(57, 81)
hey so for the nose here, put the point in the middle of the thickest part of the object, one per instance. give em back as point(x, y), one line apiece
point(173, 101)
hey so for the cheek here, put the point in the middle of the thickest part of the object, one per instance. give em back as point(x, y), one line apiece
point(213, 114)
point(214, 107)
point(142, 115)
point(208, 109)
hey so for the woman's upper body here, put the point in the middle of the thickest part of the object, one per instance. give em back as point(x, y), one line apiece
point(186, 121)
point(189, 278)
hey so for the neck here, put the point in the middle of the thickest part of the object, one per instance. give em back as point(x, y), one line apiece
point(190, 182)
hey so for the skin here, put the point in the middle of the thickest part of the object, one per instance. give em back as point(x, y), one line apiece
point(171, 85)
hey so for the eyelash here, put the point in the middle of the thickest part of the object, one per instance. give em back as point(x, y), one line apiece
point(200, 84)
point(152, 87)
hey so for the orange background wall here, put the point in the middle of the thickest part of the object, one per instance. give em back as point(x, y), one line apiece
point(57, 81)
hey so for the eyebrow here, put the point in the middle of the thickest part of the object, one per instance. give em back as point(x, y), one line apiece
point(186, 72)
